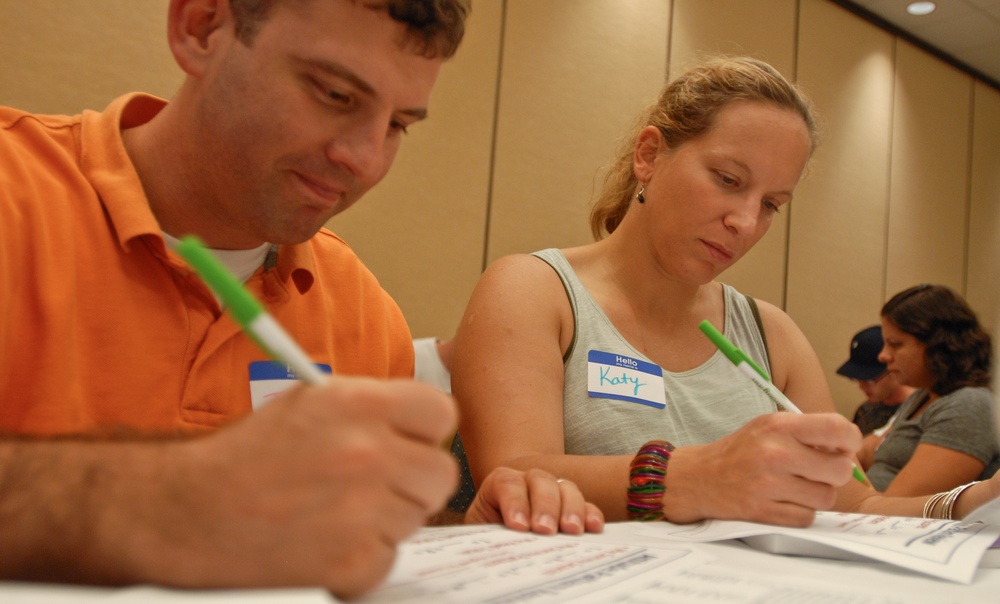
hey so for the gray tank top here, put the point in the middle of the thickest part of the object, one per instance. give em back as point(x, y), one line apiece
point(699, 406)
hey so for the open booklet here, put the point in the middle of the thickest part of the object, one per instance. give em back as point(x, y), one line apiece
point(988, 514)
point(947, 549)
point(464, 564)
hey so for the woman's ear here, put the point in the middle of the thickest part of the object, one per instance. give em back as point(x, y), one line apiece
point(195, 31)
point(648, 147)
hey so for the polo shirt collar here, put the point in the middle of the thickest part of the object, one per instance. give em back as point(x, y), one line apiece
point(109, 169)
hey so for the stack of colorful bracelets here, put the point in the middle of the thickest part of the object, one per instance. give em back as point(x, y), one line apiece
point(947, 502)
point(646, 481)
point(649, 470)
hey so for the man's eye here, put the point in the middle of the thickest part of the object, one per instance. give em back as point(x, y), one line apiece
point(338, 97)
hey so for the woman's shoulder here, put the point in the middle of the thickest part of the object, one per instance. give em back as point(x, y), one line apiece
point(523, 266)
point(520, 276)
point(972, 394)
point(777, 324)
point(972, 405)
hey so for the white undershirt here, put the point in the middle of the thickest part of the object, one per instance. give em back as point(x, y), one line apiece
point(241, 263)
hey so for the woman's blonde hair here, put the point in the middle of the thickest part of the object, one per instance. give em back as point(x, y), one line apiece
point(687, 107)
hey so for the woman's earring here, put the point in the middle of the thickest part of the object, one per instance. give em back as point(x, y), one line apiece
point(639, 196)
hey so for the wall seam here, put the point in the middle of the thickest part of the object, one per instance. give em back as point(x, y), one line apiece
point(970, 150)
point(670, 40)
point(490, 180)
point(888, 169)
point(797, 30)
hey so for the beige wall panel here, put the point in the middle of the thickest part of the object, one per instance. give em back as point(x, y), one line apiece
point(702, 28)
point(706, 27)
point(575, 74)
point(421, 230)
point(929, 173)
point(838, 218)
point(62, 56)
point(983, 286)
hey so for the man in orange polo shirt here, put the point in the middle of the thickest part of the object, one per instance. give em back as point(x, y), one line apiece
point(289, 113)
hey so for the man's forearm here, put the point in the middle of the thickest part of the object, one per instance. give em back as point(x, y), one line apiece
point(66, 508)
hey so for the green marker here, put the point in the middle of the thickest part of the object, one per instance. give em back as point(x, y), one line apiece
point(757, 375)
point(248, 312)
point(738, 357)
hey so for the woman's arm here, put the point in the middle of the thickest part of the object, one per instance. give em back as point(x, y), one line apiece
point(508, 380)
point(856, 498)
point(870, 444)
point(933, 469)
point(955, 441)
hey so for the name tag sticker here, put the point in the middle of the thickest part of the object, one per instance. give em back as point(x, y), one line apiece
point(268, 379)
point(625, 379)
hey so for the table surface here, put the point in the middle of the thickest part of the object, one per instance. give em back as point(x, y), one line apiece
point(745, 574)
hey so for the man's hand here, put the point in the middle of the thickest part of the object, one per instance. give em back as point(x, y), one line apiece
point(317, 488)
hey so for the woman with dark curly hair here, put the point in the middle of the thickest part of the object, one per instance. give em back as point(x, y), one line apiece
point(943, 435)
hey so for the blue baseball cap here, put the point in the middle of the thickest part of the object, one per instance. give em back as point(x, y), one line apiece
point(863, 363)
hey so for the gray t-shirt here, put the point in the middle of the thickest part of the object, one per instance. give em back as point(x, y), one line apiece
point(700, 405)
point(961, 421)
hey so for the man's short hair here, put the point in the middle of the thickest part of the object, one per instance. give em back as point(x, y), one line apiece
point(434, 27)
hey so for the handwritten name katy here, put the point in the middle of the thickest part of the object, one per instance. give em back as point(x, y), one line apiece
point(623, 380)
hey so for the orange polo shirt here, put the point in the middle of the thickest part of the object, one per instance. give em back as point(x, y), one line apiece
point(103, 328)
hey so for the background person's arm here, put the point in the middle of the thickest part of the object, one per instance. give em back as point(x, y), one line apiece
point(933, 469)
point(870, 444)
point(956, 439)
point(861, 500)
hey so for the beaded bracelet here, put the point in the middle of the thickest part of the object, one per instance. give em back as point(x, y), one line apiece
point(646, 476)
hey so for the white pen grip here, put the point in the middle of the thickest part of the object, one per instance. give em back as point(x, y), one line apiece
point(769, 389)
point(283, 348)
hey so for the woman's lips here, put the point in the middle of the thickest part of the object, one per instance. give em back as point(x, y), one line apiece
point(718, 251)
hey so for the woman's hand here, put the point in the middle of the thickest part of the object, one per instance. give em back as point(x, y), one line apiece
point(533, 501)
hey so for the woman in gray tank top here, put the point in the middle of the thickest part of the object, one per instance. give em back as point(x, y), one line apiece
point(588, 362)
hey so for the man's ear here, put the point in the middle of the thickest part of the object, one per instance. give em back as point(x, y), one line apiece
point(648, 147)
point(195, 30)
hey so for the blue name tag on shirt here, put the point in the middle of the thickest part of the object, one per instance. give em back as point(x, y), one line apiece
point(268, 379)
point(623, 378)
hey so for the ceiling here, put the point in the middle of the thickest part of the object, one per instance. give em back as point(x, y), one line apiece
point(963, 32)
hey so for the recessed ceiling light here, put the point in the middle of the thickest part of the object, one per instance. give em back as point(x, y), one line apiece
point(921, 8)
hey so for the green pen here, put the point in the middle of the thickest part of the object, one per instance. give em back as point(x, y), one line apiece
point(757, 375)
point(248, 312)
point(740, 359)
